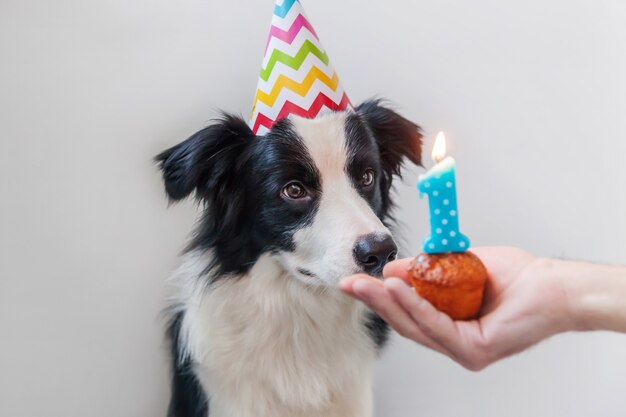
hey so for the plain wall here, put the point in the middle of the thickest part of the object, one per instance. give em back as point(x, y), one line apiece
point(532, 97)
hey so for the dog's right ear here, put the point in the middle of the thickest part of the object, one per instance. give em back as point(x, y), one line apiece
point(397, 137)
point(201, 162)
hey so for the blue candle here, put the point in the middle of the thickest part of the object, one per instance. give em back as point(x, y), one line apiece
point(440, 185)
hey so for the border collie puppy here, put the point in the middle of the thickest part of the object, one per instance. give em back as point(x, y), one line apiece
point(258, 327)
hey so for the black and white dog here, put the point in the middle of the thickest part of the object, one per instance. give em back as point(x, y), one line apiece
point(259, 328)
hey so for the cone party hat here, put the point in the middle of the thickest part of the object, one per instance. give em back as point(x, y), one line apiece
point(296, 75)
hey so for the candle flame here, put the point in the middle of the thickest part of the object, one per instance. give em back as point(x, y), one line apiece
point(439, 148)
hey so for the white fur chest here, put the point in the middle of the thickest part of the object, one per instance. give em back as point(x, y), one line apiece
point(264, 345)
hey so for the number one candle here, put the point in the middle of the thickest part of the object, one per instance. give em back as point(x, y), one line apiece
point(440, 185)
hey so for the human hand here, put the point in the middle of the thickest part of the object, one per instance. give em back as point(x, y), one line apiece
point(522, 306)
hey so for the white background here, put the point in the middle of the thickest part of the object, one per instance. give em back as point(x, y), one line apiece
point(531, 94)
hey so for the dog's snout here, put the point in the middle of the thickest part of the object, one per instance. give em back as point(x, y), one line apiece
point(372, 252)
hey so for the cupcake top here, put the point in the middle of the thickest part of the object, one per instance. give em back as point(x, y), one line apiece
point(449, 269)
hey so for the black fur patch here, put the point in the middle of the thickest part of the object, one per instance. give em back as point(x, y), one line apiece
point(378, 329)
point(238, 178)
point(188, 398)
point(364, 154)
point(397, 138)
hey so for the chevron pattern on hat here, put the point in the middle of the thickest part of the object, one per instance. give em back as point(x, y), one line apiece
point(296, 76)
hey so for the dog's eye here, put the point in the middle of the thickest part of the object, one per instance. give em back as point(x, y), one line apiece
point(367, 178)
point(294, 191)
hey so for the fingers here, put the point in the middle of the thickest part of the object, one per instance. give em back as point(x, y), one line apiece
point(347, 284)
point(415, 318)
point(437, 326)
point(398, 268)
point(379, 300)
point(374, 295)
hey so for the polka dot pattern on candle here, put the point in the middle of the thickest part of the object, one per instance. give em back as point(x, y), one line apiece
point(440, 186)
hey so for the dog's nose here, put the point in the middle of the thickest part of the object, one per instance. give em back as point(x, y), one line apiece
point(372, 252)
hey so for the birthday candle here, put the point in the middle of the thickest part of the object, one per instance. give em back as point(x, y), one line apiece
point(440, 185)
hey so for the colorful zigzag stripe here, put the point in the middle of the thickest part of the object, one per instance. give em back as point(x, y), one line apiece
point(302, 88)
point(322, 100)
point(283, 9)
point(289, 35)
point(296, 77)
point(295, 61)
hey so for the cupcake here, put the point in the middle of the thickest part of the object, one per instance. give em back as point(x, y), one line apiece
point(453, 283)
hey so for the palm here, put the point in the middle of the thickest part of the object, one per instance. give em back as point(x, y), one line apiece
point(506, 266)
point(520, 307)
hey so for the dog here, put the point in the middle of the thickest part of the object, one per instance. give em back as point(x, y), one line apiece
point(258, 327)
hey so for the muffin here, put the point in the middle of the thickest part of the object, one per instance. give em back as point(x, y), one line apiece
point(453, 283)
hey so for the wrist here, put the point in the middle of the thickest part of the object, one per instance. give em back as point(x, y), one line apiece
point(593, 293)
point(553, 289)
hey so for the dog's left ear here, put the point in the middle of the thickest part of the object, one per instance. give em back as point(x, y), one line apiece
point(397, 137)
point(206, 162)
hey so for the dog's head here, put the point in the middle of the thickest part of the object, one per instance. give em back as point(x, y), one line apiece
point(314, 194)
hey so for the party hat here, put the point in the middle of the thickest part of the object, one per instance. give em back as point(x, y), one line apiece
point(296, 76)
